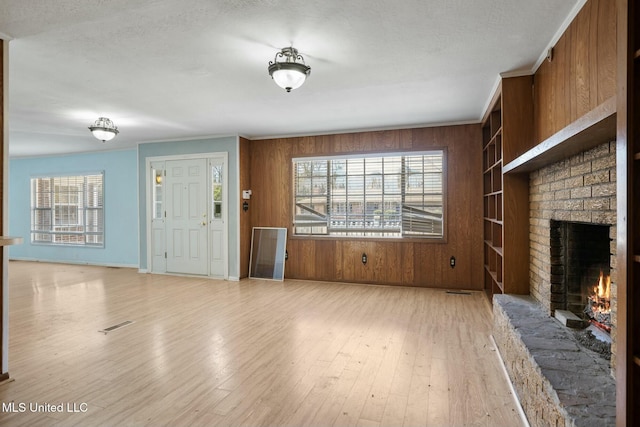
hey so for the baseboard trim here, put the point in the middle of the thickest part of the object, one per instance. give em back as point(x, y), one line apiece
point(523, 416)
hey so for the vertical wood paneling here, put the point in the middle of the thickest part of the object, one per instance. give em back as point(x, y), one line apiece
point(245, 217)
point(516, 103)
point(593, 38)
point(4, 374)
point(393, 262)
point(606, 49)
point(582, 74)
point(582, 60)
point(4, 147)
point(324, 265)
point(408, 264)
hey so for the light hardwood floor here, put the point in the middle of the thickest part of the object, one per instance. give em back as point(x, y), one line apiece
point(207, 352)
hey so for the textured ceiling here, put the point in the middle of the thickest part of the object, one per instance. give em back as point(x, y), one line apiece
point(178, 69)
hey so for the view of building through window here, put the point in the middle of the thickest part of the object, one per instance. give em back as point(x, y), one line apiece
point(394, 195)
point(67, 210)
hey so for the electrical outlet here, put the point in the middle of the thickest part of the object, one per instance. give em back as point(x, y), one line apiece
point(452, 261)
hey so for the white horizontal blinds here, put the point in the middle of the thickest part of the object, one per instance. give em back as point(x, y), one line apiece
point(392, 195)
point(41, 209)
point(68, 210)
point(366, 195)
point(310, 196)
point(422, 213)
point(94, 210)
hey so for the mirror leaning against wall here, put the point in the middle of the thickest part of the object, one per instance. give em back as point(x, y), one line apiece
point(268, 250)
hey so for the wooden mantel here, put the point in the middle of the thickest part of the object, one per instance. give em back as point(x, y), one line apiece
point(592, 129)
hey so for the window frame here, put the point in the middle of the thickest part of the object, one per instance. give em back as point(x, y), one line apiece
point(371, 233)
point(90, 217)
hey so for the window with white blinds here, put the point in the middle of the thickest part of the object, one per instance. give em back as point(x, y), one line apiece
point(391, 195)
point(68, 210)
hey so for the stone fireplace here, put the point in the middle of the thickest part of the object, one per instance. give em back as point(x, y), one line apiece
point(572, 196)
point(572, 237)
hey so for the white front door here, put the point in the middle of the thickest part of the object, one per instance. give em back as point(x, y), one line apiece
point(218, 217)
point(187, 216)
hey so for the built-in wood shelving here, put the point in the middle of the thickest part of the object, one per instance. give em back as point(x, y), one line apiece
point(592, 129)
point(506, 129)
point(492, 193)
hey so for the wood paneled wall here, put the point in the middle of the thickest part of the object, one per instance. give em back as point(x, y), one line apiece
point(393, 262)
point(4, 374)
point(245, 216)
point(582, 72)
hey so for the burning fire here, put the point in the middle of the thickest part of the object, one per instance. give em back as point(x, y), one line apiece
point(599, 307)
point(602, 290)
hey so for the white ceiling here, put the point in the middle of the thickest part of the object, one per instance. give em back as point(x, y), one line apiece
point(185, 69)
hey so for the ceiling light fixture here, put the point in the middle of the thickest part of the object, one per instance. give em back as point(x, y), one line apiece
point(104, 129)
point(288, 73)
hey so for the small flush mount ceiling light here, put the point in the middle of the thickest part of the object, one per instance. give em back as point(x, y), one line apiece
point(104, 129)
point(287, 72)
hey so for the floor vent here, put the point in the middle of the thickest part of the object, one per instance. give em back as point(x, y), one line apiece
point(459, 292)
point(114, 327)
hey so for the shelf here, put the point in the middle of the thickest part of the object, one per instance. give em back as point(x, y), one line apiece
point(496, 249)
point(493, 166)
point(589, 131)
point(488, 138)
point(494, 276)
point(495, 221)
point(8, 240)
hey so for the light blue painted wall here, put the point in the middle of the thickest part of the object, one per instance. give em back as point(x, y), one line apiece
point(227, 145)
point(120, 200)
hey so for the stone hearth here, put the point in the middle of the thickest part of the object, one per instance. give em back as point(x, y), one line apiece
point(559, 382)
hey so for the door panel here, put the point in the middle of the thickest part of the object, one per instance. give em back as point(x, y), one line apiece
point(187, 216)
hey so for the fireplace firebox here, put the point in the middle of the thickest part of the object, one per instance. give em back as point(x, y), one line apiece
point(580, 270)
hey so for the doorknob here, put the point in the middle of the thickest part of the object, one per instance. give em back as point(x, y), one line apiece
point(203, 223)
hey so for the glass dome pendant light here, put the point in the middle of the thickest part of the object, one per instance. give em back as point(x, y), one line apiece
point(104, 129)
point(288, 73)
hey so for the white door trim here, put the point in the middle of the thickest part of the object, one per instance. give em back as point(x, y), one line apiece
point(149, 202)
point(223, 157)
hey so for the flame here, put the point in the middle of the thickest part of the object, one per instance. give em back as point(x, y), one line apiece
point(601, 298)
point(603, 289)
